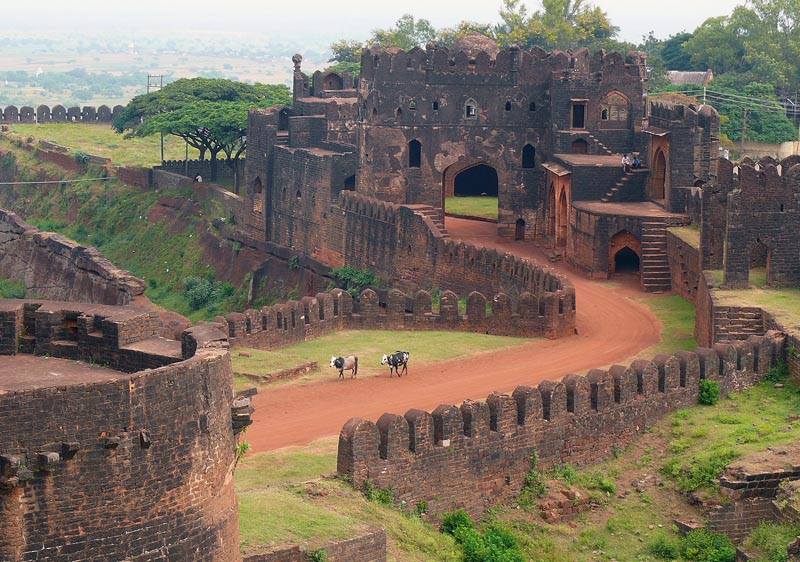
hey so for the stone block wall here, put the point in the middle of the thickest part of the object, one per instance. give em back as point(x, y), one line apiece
point(368, 547)
point(51, 266)
point(477, 455)
point(137, 467)
point(551, 315)
point(684, 266)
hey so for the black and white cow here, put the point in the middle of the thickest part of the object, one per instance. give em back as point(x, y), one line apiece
point(395, 361)
point(349, 363)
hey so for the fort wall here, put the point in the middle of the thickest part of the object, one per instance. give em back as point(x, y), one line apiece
point(477, 455)
point(368, 547)
point(127, 467)
point(684, 266)
point(59, 114)
point(51, 266)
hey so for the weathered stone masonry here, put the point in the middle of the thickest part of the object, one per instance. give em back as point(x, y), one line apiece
point(137, 467)
point(477, 455)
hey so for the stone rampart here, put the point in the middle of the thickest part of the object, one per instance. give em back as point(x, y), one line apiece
point(59, 114)
point(368, 547)
point(295, 321)
point(54, 267)
point(477, 455)
point(133, 463)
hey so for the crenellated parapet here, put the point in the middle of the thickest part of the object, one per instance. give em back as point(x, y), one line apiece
point(550, 314)
point(477, 455)
point(59, 114)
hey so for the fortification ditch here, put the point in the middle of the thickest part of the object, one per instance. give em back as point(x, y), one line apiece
point(477, 455)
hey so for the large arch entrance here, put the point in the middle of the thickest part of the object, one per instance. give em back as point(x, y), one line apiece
point(658, 181)
point(471, 191)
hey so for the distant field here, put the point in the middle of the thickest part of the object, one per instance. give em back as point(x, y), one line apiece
point(485, 207)
point(369, 346)
point(102, 140)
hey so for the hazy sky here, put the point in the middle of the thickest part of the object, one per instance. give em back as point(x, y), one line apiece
point(325, 19)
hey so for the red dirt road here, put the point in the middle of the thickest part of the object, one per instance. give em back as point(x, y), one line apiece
point(611, 328)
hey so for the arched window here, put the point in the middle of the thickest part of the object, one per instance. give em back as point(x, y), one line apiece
point(412, 105)
point(399, 113)
point(532, 106)
point(614, 107)
point(471, 109)
point(436, 106)
point(528, 156)
point(414, 154)
point(508, 106)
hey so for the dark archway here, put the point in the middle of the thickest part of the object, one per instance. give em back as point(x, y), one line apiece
point(283, 119)
point(519, 230)
point(479, 180)
point(528, 156)
point(580, 146)
point(626, 261)
point(563, 218)
point(659, 180)
point(414, 154)
point(258, 196)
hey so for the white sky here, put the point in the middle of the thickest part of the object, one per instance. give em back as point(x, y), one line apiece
point(325, 19)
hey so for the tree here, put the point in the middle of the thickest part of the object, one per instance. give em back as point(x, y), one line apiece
point(447, 36)
point(406, 34)
point(346, 56)
point(674, 54)
point(209, 114)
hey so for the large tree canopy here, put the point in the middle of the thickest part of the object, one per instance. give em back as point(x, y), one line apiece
point(210, 114)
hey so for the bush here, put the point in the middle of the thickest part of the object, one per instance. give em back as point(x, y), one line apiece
point(378, 495)
point(665, 547)
point(701, 545)
point(778, 374)
point(772, 540)
point(709, 392)
point(318, 555)
point(534, 486)
point(496, 544)
point(11, 289)
point(355, 280)
point(203, 292)
point(701, 471)
point(456, 520)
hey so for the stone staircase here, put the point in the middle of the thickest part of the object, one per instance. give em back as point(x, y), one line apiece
point(737, 323)
point(656, 277)
point(600, 144)
point(620, 185)
point(435, 215)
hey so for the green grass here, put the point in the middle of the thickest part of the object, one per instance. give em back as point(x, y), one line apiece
point(287, 497)
point(677, 316)
point(689, 234)
point(769, 540)
point(102, 140)
point(369, 346)
point(478, 206)
point(114, 218)
point(782, 303)
point(11, 289)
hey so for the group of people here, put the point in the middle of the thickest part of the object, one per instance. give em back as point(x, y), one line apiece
point(630, 162)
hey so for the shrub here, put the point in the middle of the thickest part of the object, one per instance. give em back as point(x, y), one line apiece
point(294, 263)
point(318, 555)
point(709, 392)
point(778, 374)
point(421, 508)
point(11, 289)
point(566, 472)
point(378, 495)
point(355, 280)
point(81, 157)
point(534, 486)
point(456, 520)
point(665, 547)
point(700, 471)
point(772, 539)
point(203, 292)
point(702, 545)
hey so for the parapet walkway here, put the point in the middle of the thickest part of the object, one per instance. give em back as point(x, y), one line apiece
point(611, 328)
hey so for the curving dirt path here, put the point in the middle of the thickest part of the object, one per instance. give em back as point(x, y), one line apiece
point(611, 328)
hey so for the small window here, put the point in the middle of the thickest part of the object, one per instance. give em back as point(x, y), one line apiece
point(298, 195)
point(604, 115)
point(508, 106)
point(399, 113)
point(436, 106)
point(414, 154)
point(532, 106)
point(528, 156)
point(374, 112)
point(578, 115)
point(471, 109)
point(412, 105)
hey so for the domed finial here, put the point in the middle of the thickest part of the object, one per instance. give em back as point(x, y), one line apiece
point(297, 59)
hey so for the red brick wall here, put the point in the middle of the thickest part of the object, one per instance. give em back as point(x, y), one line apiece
point(684, 265)
point(477, 455)
point(370, 547)
point(135, 468)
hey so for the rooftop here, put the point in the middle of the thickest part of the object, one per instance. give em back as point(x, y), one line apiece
point(642, 209)
point(27, 372)
point(603, 160)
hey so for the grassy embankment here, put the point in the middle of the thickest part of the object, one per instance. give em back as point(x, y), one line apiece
point(114, 218)
point(288, 497)
point(102, 140)
point(477, 206)
point(369, 346)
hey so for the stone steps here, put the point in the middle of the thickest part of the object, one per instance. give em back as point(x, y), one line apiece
point(435, 217)
point(655, 271)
